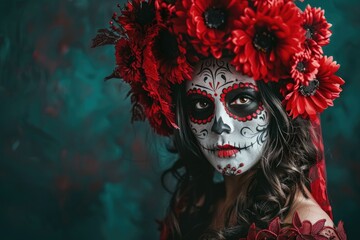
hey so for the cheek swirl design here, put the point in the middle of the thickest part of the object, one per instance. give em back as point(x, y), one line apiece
point(199, 134)
point(203, 93)
point(260, 131)
point(248, 117)
point(244, 148)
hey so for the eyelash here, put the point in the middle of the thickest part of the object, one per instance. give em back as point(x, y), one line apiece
point(199, 102)
point(247, 100)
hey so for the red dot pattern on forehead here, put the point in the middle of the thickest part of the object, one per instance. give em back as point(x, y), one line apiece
point(205, 94)
point(236, 86)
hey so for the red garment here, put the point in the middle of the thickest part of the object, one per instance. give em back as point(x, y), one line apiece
point(317, 173)
point(297, 230)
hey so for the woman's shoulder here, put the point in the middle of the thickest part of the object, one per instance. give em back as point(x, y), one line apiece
point(297, 229)
point(307, 209)
point(308, 219)
point(306, 213)
point(305, 220)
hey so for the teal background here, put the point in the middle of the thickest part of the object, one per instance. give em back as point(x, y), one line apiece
point(71, 164)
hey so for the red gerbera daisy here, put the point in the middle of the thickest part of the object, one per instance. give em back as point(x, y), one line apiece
point(137, 17)
point(318, 94)
point(268, 3)
point(128, 60)
point(209, 23)
point(317, 30)
point(303, 68)
point(165, 11)
point(263, 41)
point(170, 52)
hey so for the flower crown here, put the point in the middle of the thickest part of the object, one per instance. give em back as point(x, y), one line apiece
point(157, 43)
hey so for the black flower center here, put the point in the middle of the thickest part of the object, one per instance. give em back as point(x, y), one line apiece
point(264, 41)
point(167, 46)
point(301, 67)
point(310, 89)
point(309, 32)
point(129, 57)
point(170, 1)
point(130, 60)
point(145, 14)
point(215, 17)
point(164, 14)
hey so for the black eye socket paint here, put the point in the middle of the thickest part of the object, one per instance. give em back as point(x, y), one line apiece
point(247, 110)
point(242, 110)
point(200, 106)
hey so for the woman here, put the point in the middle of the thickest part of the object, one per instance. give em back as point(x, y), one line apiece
point(265, 159)
point(238, 85)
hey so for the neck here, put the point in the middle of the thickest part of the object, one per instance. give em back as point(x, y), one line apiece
point(233, 186)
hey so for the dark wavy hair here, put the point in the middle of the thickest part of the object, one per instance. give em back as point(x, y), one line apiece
point(269, 188)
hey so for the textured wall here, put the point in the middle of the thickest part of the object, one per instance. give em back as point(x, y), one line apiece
point(72, 166)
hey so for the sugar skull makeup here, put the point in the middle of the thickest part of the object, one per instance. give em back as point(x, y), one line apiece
point(226, 116)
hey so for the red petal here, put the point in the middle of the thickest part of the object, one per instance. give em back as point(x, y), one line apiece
point(319, 225)
point(306, 227)
point(319, 100)
point(301, 105)
point(296, 220)
point(274, 225)
point(309, 108)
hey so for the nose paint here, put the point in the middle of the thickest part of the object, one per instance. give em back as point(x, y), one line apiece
point(226, 116)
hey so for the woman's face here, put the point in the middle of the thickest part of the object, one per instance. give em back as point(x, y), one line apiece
point(226, 116)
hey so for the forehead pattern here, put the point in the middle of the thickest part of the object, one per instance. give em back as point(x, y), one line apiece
point(213, 75)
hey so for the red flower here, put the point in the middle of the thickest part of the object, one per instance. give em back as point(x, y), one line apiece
point(273, 231)
point(165, 11)
point(162, 124)
point(264, 41)
point(182, 8)
point(128, 60)
point(170, 54)
point(137, 17)
point(317, 30)
point(150, 65)
point(209, 23)
point(296, 230)
point(307, 230)
point(159, 111)
point(151, 100)
point(268, 3)
point(303, 68)
point(318, 94)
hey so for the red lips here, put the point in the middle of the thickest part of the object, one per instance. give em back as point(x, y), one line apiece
point(226, 150)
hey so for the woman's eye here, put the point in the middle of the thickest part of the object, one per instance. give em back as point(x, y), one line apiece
point(240, 101)
point(200, 105)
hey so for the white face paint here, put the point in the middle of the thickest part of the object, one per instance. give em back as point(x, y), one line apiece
point(226, 116)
